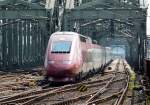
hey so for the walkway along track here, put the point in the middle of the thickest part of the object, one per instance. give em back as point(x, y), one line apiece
point(95, 90)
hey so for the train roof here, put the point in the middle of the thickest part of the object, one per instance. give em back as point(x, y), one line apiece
point(82, 37)
point(69, 33)
point(65, 32)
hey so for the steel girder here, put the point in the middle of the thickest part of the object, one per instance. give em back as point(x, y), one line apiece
point(24, 14)
point(21, 9)
point(93, 4)
point(5, 2)
point(18, 3)
point(108, 3)
point(109, 13)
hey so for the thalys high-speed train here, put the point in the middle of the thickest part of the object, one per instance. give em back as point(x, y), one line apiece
point(70, 55)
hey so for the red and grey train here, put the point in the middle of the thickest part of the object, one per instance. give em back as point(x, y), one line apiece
point(69, 55)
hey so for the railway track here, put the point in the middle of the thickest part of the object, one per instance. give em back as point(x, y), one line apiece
point(22, 97)
point(101, 90)
point(14, 83)
point(96, 96)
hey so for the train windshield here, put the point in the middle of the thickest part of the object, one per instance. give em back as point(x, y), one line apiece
point(61, 47)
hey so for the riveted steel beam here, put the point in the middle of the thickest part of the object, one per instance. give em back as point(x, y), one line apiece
point(107, 4)
point(5, 2)
point(93, 3)
point(110, 13)
point(15, 3)
point(23, 14)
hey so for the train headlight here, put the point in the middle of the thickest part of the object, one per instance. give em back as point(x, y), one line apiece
point(66, 79)
point(50, 79)
point(66, 62)
point(51, 62)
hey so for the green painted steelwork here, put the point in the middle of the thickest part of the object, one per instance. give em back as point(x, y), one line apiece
point(24, 14)
point(23, 43)
point(108, 3)
point(103, 13)
point(25, 27)
point(113, 23)
point(20, 3)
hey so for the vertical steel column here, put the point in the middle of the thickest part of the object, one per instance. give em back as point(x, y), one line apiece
point(38, 44)
point(28, 42)
point(6, 31)
point(24, 44)
point(12, 42)
point(41, 43)
point(16, 44)
point(1, 62)
point(33, 43)
point(10, 47)
point(4, 55)
point(20, 43)
point(32, 33)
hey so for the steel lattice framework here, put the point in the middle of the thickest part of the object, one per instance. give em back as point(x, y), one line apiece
point(117, 20)
point(122, 21)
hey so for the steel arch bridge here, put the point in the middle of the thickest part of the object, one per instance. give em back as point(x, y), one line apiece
point(25, 26)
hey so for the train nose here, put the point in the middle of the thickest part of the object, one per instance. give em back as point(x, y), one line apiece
point(60, 68)
point(60, 65)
